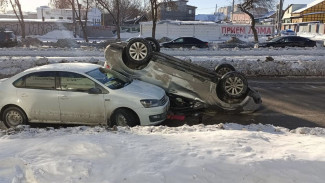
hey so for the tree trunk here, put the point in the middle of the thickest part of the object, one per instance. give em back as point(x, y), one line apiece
point(118, 27)
point(154, 18)
point(252, 25)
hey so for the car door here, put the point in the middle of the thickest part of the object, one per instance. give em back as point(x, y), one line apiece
point(38, 96)
point(76, 104)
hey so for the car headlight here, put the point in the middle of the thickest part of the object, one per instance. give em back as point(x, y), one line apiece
point(147, 103)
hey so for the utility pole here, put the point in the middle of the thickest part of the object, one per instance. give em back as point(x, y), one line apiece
point(280, 16)
point(232, 10)
point(74, 20)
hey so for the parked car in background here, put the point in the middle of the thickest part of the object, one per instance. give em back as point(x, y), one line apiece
point(80, 93)
point(185, 42)
point(290, 41)
point(7, 38)
point(288, 32)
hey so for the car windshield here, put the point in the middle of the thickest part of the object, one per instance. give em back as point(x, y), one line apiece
point(275, 39)
point(109, 78)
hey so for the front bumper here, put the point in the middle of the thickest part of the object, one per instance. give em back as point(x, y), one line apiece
point(154, 115)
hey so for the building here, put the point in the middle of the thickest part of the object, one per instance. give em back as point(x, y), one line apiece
point(45, 12)
point(176, 10)
point(240, 17)
point(216, 17)
point(313, 12)
point(267, 19)
point(226, 11)
point(288, 11)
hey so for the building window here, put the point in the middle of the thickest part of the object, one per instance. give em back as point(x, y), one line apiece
point(69, 18)
point(61, 18)
point(52, 17)
point(190, 12)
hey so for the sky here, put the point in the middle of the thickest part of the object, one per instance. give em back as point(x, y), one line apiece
point(203, 6)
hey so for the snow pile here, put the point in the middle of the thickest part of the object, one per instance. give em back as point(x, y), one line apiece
point(218, 153)
point(58, 34)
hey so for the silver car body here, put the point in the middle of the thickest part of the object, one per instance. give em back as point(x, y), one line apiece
point(180, 78)
point(57, 106)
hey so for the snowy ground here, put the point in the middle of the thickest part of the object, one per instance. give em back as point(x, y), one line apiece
point(250, 61)
point(218, 153)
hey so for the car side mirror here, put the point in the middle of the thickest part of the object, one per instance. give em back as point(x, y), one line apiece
point(95, 91)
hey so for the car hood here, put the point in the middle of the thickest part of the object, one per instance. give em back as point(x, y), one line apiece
point(144, 90)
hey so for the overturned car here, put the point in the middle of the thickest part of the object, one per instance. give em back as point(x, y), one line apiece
point(189, 86)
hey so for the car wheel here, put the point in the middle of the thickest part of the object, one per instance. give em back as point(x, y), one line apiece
point(154, 44)
point(125, 117)
point(222, 69)
point(138, 51)
point(234, 85)
point(14, 116)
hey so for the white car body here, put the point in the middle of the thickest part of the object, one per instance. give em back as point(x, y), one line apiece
point(73, 107)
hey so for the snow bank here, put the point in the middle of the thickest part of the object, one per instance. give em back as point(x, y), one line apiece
point(58, 34)
point(250, 61)
point(217, 153)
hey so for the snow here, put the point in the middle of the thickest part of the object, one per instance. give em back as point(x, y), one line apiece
point(250, 61)
point(216, 153)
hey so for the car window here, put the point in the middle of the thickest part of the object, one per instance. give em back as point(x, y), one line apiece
point(38, 80)
point(277, 39)
point(179, 40)
point(75, 82)
point(109, 78)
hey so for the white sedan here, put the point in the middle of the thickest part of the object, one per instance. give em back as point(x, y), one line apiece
point(80, 93)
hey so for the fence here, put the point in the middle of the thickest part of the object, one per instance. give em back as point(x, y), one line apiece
point(204, 31)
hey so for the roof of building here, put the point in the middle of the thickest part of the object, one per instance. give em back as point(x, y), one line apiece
point(267, 15)
point(309, 6)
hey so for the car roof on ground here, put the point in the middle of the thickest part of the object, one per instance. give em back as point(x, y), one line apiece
point(77, 67)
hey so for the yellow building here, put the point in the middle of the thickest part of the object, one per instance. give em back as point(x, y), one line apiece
point(314, 11)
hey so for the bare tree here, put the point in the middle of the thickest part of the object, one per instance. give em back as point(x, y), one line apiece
point(113, 8)
point(248, 6)
point(154, 6)
point(61, 4)
point(78, 7)
point(78, 13)
point(16, 7)
point(130, 9)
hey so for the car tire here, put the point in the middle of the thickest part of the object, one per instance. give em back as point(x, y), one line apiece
point(154, 44)
point(124, 117)
point(138, 51)
point(14, 116)
point(222, 69)
point(234, 85)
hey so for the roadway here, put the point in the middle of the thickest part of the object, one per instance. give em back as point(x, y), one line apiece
point(287, 102)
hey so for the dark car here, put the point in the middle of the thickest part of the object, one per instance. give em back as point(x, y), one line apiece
point(7, 38)
point(290, 41)
point(185, 42)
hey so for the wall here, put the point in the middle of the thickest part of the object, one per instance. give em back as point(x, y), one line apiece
point(36, 27)
point(207, 32)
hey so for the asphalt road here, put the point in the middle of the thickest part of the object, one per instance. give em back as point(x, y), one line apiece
point(287, 102)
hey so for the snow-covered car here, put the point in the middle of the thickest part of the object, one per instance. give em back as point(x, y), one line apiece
point(189, 86)
point(80, 93)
